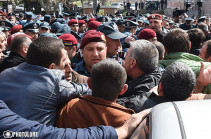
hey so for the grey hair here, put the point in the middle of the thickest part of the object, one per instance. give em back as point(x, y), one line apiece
point(146, 55)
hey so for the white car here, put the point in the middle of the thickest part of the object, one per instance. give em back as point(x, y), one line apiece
point(177, 120)
point(117, 5)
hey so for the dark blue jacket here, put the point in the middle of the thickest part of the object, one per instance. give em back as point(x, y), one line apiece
point(36, 93)
point(10, 121)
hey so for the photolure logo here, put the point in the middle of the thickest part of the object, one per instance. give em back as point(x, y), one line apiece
point(10, 134)
point(7, 134)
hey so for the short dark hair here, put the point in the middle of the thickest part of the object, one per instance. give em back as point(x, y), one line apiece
point(160, 35)
point(146, 55)
point(107, 79)
point(178, 81)
point(45, 51)
point(17, 43)
point(197, 37)
point(160, 48)
point(208, 51)
point(177, 40)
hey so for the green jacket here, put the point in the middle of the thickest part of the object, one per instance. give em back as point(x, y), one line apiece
point(193, 61)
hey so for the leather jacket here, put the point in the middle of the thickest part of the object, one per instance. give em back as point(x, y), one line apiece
point(36, 93)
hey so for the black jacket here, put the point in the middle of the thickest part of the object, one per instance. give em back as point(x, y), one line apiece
point(12, 60)
point(141, 102)
point(143, 83)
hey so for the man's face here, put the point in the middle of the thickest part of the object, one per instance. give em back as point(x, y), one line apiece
point(94, 52)
point(112, 46)
point(166, 25)
point(63, 60)
point(70, 51)
point(128, 61)
point(155, 24)
point(32, 34)
point(202, 53)
point(43, 30)
point(153, 39)
point(3, 42)
point(83, 28)
point(74, 27)
point(1, 56)
point(53, 18)
point(68, 70)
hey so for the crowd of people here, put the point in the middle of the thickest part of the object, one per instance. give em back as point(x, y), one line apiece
point(74, 76)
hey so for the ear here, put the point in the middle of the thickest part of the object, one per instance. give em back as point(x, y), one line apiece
point(89, 83)
point(124, 89)
point(160, 90)
point(25, 49)
point(74, 48)
point(133, 63)
point(51, 66)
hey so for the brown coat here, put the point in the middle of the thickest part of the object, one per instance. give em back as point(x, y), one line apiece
point(89, 111)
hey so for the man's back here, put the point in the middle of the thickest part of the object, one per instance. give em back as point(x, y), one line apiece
point(89, 111)
point(35, 92)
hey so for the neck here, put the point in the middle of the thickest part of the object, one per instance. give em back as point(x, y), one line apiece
point(136, 73)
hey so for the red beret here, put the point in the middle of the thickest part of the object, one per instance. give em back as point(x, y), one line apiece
point(15, 28)
point(91, 19)
point(92, 36)
point(93, 25)
point(147, 34)
point(72, 21)
point(155, 16)
point(81, 22)
point(68, 39)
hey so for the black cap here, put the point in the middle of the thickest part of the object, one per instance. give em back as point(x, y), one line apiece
point(32, 27)
point(47, 18)
point(120, 22)
point(130, 23)
point(110, 30)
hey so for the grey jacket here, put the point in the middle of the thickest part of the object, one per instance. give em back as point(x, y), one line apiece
point(36, 93)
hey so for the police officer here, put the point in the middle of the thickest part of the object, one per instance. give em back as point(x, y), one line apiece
point(187, 25)
point(113, 37)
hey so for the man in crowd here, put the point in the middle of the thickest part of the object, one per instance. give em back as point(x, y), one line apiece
point(70, 43)
point(19, 48)
point(18, 124)
point(113, 37)
point(177, 46)
point(73, 24)
point(205, 52)
point(44, 28)
point(156, 23)
point(93, 46)
point(37, 81)
point(32, 30)
point(3, 41)
point(141, 64)
point(107, 81)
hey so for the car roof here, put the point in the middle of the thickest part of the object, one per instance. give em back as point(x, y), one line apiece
point(190, 119)
point(182, 119)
